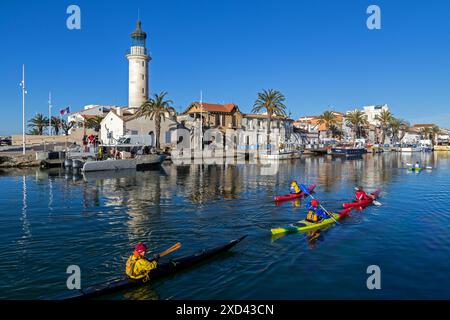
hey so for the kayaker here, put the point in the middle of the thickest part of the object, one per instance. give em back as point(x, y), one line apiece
point(138, 267)
point(360, 194)
point(315, 214)
point(417, 165)
point(295, 189)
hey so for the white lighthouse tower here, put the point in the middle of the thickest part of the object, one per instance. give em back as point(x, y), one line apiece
point(138, 61)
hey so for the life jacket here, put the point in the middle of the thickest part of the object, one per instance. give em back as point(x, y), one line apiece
point(295, 188)
point(139, 268)
point(312, 216)
point(361, 195)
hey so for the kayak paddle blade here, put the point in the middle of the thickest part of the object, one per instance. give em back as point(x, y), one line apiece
point(304, 189)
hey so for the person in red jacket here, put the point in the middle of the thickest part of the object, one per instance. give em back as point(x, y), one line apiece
point(361, 195)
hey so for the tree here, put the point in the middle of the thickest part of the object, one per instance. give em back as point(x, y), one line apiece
point(34, 132)
point(329, 119)
point(435, 130)
point(398, 128)
point(272, 102)
point(384, 119)
point(38, 122)
point(158, 109)
point(425, 133)
point(94, 123)
point(357, 120)
point(56, 124)
point(66, 126)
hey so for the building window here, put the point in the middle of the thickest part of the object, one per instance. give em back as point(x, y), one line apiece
point(143, 77)
point(134, 132)
point(143, 63)
point(143, 91)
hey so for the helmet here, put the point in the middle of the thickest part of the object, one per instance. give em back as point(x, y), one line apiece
point(314, 203)
point(358, 188)
point(141, 248)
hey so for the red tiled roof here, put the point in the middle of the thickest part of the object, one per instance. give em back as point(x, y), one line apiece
point(213, 107)
point(423, 125)
point(264, 116)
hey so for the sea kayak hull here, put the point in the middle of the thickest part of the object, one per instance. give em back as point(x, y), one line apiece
point(363, 203)
point(164, 269)
point(303, 225)
point(290, 196)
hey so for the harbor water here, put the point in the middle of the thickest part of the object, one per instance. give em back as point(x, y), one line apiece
point(51, 219)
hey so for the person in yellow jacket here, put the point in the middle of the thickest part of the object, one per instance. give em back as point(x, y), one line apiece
point(138, 267)
point(295, 189)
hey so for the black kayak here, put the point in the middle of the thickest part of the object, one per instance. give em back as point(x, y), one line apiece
point(164, 269)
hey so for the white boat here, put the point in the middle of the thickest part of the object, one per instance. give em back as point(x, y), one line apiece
point(138, 162)
point(410, 148)
point(282, 155)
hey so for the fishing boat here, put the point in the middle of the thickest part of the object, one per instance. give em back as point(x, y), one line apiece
point(139, 162)
point(349, 150)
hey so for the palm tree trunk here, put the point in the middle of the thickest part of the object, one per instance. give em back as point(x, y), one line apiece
point(268, 133)
point(158, 131)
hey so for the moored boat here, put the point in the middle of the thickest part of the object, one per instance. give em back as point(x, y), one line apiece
point(138, 162)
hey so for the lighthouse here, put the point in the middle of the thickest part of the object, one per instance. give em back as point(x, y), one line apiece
point(138, 61)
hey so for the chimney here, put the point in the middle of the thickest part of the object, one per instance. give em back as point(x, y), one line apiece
point(119, 112)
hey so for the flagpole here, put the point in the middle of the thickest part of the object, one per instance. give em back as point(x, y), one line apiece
point(23, 109)
point(49, 113)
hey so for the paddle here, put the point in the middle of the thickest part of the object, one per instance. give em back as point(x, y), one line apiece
point(176, 246)
point(305, 191)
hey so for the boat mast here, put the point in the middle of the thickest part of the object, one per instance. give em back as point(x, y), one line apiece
point(24, 92)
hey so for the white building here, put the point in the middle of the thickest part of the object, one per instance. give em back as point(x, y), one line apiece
point(372, 111)
point(138, 61)
point(121, 122)
point(89, 111)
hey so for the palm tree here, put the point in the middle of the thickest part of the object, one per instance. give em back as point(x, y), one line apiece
point(329, 119)
point(425, 133)
point(384, 119)
point(94, 123)
point(158, 109)
point(66, 126)
point(398, 128)
point(56, 124)
point(357, 120)
point(34, 132)
point(272, 102)
point(435, 130)
point(38, 122)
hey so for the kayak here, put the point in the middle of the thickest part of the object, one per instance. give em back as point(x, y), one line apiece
point(304, 225)
point(416, 169)
point(362, 203)
point(164, 269)
point(292, 196)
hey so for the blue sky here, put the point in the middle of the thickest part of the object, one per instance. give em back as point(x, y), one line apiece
point(318, 53)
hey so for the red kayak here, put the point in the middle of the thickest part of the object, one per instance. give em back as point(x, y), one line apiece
point(363, 203)
point(292, 196)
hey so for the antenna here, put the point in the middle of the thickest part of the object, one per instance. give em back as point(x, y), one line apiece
point(139, 15)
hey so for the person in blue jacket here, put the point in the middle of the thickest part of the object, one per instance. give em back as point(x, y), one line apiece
point(315, 213)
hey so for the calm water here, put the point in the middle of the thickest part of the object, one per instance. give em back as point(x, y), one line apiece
point(49, 220)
